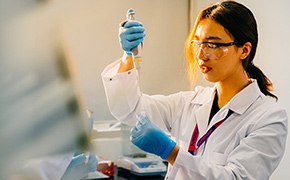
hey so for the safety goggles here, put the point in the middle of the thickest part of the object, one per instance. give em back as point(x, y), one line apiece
point(211, 50)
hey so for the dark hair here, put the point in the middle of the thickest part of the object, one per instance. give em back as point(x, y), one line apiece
point(239, 22)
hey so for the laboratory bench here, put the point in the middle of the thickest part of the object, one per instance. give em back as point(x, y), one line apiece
point(124, 174)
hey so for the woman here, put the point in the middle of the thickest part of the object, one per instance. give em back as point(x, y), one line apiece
point(230, 131)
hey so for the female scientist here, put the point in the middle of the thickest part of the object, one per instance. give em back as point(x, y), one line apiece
point(234, 130)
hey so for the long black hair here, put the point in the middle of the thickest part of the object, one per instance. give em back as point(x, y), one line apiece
point(240, 22)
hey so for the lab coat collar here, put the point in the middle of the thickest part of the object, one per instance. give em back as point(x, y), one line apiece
point(239, 103)
point(245, 98)
point(203, 97)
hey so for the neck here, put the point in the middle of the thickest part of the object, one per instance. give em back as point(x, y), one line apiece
point(228, 88)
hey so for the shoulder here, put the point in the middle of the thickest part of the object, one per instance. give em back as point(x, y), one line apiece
point(269, 105)
point(268, 111)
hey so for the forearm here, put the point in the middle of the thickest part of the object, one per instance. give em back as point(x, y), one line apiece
point(126, 64)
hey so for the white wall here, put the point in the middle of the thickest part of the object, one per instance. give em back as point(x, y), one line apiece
point(90, 32)
point(272, 54)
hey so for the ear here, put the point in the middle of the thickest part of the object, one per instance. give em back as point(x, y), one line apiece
point(246, 49)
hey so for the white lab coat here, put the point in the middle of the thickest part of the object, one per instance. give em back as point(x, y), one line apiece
point(47, 168)
point(248, 145)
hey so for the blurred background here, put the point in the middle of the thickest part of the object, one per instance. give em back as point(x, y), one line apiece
point(52, 53)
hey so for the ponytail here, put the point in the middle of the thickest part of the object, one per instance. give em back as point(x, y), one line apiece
point(264, 83)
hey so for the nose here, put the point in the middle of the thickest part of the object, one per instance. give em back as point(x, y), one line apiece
point(200, 54)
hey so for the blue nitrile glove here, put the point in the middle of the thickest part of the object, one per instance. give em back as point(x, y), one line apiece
point(131, 34)
point(150, 138)
point(79, 168)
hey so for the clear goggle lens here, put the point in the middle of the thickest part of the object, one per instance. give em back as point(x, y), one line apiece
point(211, 50)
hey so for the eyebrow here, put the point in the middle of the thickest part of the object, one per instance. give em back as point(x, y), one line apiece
point(209, 38)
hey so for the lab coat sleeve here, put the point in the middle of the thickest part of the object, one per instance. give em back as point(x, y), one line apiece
point(255, 157)
point(122, 91)
point(47, 168)
point(125, 99)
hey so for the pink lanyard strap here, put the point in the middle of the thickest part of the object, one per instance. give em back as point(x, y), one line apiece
point(193, 146)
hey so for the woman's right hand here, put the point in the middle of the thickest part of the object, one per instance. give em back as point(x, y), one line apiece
point(131, 34)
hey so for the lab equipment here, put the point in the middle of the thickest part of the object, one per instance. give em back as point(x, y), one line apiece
point(106, 167)
point(142, 166)
point(150, 138)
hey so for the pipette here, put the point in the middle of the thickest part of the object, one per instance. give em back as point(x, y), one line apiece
point(137, 58)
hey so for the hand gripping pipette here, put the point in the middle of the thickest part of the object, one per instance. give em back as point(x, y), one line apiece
point(137, 58)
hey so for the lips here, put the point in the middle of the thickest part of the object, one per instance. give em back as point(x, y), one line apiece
point(204, 69)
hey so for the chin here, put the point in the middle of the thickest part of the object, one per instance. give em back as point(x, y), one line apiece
point(210, 79)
